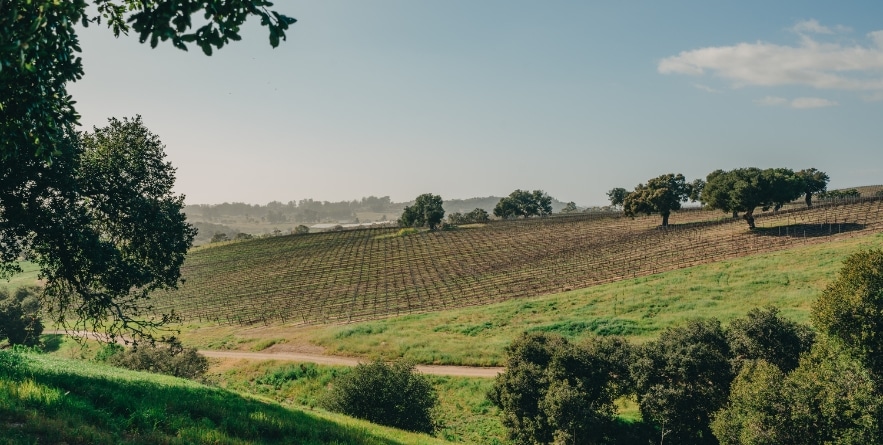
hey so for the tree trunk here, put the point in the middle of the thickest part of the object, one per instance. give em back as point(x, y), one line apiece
point(808, 199)
point(665, 219)
point(735, 214)
point(749, 218)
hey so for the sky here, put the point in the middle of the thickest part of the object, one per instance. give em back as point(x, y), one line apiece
point(465, 98)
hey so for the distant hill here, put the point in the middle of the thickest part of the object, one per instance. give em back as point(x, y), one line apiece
point(283, 218)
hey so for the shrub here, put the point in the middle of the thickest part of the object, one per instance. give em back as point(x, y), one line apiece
point(388, 394)
point(20, 322)
point(763, 334)
point(170, 359)
point(682, 378)
point(829, 398)
point(851, 308)
point(555, 391)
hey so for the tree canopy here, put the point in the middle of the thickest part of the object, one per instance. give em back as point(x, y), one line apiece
point(104, 227)
point(814, 182)
point(662, 195)
point(102, 224)
point(427, 211)
point(525, 204)
point(746, 189)
point(617, 196)
point(850, 308)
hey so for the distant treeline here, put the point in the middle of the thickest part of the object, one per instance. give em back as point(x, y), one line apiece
point(307, 211)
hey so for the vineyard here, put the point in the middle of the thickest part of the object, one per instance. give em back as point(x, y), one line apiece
point(372, 273)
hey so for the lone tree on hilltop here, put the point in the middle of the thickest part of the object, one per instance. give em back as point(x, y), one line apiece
point(427, 211)
point(59, 197)
point(746, 189)
point(661, 195)
point(525, 204)
point(617, 196)
point(814, 182)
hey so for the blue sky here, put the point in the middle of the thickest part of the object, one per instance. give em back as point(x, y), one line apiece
point(478, 98)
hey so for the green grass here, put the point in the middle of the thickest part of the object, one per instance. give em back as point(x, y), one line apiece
point(464, 412)
point(636, 308)
point(27, 277)
point(45, 399)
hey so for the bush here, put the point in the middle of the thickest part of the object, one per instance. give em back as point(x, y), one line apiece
point(388, 394)
point(170, 359)
point(763, 334)
point(829, 398)
point(851, 308)
point(682, 378)
point(20, 322)
point(555, 391)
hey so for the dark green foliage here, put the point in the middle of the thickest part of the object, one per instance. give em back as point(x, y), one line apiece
point(476, 216)
point(522, 203)
point(219, 238)
point(851, 308)
point(553, 390)
point(387, 394)
point(682, 378)
point(764, 335)
point(617, 196)
point(814, 182)
point(20, 322)
point(65, 200)
point(170, 359)
point(301, 230)
point(829, 398)
point(746, 189)
point(662, 195)
point(427, 211)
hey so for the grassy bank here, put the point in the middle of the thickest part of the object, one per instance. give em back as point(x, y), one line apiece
point(46, 399)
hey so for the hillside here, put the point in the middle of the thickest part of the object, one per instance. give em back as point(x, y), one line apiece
point(47, 399)
point(372, 273)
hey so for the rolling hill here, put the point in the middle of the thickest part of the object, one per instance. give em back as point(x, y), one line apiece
point(375, 273)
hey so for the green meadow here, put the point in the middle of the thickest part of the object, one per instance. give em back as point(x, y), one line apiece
point(637, 308)
point(48, 399)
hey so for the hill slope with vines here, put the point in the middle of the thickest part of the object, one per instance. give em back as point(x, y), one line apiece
point(372, 273)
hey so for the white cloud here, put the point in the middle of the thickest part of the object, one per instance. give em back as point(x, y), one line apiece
point(771, 101)
point(812, 102)
point(705, 88)
point(811, 26)
point(813, 63)
point(798, 103)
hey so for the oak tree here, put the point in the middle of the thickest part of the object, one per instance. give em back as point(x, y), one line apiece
point(61, 201)
point(746, 189)
point(662, 195)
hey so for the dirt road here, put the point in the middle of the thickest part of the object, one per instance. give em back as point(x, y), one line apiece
point(456, 371)
point(320, 359)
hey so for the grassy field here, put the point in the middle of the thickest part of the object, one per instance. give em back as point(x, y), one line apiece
point(637, 308)
point(46, 399)
point(371, 274)
point(28, 277)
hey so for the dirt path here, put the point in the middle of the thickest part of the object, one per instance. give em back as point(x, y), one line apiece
point(455, 371)
point(320, 359)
